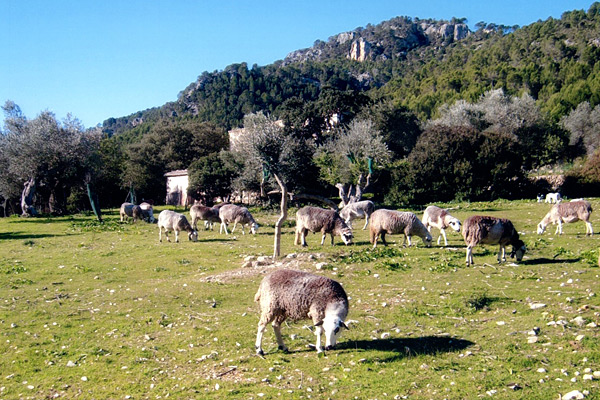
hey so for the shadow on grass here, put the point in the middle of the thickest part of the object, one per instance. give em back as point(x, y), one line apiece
point(550, 261)
point(21, 235)
point(408, 347)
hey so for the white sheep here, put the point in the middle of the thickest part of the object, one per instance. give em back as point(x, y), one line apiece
point(480, 229)
point(295, 295)
point(229, 213)
point(148, 211)
point(553, 198)
point(391, 222)
point(441, 219)
point(573, 211)
point(209, 215)
point(173, 221)
point(359, 209)
point(315, 219)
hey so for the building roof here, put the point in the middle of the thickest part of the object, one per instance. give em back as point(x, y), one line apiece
point(177, 172)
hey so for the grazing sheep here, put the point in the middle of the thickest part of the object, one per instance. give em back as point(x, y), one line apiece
point(390, 221)
point(229, 213)
point(540, 198)
point(573, 211)
point(209, 215)
point(299, 295)
point(172, 221)
point(132, 211)
point(440, 218)
point(553, 198)
point(490, 230)
point(359, 209)
point(148, 211)
point(317, 219)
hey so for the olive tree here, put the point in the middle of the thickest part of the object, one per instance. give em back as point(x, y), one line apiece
point(349, 159)
point(45, 155)
point(268, 151)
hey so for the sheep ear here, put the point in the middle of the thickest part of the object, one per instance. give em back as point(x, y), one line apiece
point(342, 323)
point(319, 323)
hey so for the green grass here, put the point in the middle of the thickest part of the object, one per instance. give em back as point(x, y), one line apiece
point(148, 320)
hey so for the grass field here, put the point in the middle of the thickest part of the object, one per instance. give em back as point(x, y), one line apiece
point(107, 312)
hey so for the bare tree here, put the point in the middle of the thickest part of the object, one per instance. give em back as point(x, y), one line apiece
point(583, 123)
point(349, 159)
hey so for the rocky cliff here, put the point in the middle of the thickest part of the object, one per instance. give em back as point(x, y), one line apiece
point(390, 39)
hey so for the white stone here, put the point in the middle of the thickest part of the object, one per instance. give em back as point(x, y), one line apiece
point(71, 364)
point(541, 370)
point(579, 321)
point(535, 306)
point(573, 395)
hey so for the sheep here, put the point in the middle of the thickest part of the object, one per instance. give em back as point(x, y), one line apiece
point(130, 210)
point(238, 215)
point(173, 221)
point(540, 198)
point(148, 211)
point(573, 211)
point(357, 210)
point(317, 219)
point(300, 295)
point(389, 221)
point(440, 218)
point(553, 198)
point(480, 229)
point(209, 215)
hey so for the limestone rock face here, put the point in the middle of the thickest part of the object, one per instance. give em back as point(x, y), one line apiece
point(361, 50)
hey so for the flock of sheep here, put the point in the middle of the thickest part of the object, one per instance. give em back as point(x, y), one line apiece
point(295, 295)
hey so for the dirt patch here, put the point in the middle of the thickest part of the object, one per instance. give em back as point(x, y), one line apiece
point(260, 265)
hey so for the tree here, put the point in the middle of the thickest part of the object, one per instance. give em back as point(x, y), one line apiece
point(169, 145)
point(210, 177)
point(49, 156)
point(265, 145)
point(350, 158)
point(583, 124)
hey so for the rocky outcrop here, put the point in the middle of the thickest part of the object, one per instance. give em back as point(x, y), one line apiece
point(454, 32)
point(361, 50)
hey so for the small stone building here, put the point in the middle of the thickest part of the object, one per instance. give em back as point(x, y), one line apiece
point(177, 184)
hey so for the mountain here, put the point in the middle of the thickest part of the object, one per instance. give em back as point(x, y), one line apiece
point(418, 64)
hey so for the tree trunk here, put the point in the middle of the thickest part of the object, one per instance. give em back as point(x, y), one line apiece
point(94, 201)
point(351, 193)
point(27, 207)
point(282, 217)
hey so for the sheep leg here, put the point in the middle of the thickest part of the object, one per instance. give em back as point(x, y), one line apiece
point(366, 222)
point(318, 332)
point(277, 329)
point(559, 228)
point(331, 238)
point(303, 237)
point(469, 255)
point(160, 234)
point(443, 233)
point(588, 229)
point(176, 236)
point(224, 226)
point(234, 226)
point(501, 254)
point(167, 235)
point(382, 236)
point(323, 238)
point(262, 325)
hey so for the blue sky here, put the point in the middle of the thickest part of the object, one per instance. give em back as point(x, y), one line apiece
point(111, 58)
